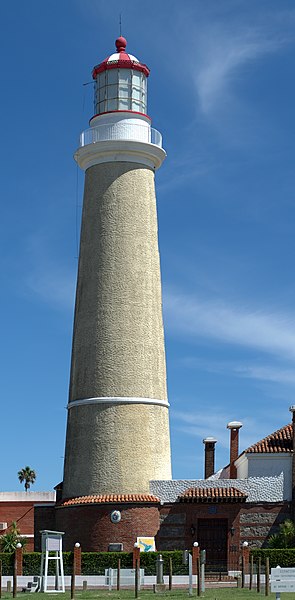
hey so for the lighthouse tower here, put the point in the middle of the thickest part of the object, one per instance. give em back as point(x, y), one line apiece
point(118, 428)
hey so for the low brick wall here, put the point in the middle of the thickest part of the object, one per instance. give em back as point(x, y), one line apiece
point(92, 527)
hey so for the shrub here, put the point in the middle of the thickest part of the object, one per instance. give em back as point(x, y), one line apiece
point(285, 557)
point(9, 540)
point(7, 559)
point(285, 538)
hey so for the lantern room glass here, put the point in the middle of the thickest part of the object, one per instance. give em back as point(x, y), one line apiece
point(120, 89)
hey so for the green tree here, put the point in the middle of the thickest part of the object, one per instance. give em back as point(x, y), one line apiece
point(285, 538)
point(28, 476)
point(9, 540)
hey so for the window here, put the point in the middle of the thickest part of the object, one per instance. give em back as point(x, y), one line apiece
point(120, 89)
point(112, 76)
point(124, 104)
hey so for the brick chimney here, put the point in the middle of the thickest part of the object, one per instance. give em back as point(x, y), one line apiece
point(234, 427)
point(292, 410)
point(209, 443)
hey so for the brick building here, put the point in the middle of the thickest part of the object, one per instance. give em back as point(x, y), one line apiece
point(223, 511)
point(18, 507)
point(220, 512)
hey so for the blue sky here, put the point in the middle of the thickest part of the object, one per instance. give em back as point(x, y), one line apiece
point(222, 93)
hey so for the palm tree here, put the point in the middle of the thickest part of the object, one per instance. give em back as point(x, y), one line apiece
point(28, 476)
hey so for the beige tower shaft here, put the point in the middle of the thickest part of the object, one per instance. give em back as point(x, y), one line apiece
point(118, 429)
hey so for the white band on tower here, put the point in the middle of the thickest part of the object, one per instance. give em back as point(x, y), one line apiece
point(117, 399)
point(120, 150)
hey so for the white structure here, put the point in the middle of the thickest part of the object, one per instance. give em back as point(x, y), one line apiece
point(51, 541)
point(264, 472)
point(30, 496)
point(264, 465)
point(270, 457)
point(118, 429)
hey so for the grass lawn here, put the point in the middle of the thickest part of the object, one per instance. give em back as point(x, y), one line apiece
point(210, 594)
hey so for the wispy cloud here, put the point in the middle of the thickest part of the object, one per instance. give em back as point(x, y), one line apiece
point(200, 424)
point(52, 284)
point(267, 373)
point(222, 55)
point(223, 50)
point(274, 373)
point(262, 329)
point(47, 278)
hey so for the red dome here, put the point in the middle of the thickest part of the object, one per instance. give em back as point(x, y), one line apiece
point(120, 59)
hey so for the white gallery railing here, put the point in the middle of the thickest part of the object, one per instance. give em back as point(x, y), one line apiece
point(121, 131)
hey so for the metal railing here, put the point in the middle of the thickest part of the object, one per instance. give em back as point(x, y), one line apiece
point(121, 131)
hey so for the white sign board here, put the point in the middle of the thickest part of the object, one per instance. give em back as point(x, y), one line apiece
point(53, 544)
point(282, 580)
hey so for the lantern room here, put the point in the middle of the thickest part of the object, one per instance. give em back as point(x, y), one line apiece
point(120, 83)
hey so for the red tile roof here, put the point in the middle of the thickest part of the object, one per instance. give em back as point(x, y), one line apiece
point(111, 498)
point(213, 494)
point(279, 441)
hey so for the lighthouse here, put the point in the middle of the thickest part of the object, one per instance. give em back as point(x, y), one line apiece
point(118, 424)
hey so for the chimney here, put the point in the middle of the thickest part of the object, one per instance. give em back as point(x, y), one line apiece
point(209, 456)
point(234, 427)
point(292, 410)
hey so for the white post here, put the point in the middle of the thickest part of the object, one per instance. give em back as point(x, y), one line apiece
point(190, 574)
point(278, 594)
point(203, 560)
point(56, 571)
point(62, 572)
point(46, 571)
point(42, 571)
point(202, 577)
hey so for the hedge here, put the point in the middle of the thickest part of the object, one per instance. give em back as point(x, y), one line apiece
point(285, 557)
point(7, 559)
point(95, 563)
point(32, 563)
point(148, 562)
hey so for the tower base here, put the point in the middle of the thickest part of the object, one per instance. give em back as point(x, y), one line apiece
point(97, 522)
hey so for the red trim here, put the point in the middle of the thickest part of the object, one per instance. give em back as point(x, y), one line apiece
point(124, 56)
point(108, 112)
point(119, 64)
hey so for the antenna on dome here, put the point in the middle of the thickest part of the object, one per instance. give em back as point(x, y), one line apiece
point(120, 24)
